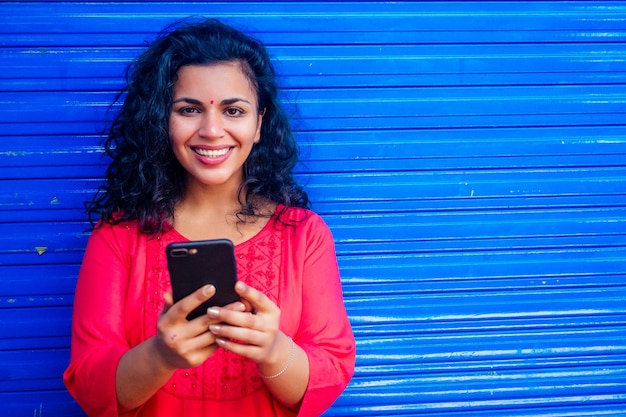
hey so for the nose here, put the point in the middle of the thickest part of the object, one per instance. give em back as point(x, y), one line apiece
point(212, 125)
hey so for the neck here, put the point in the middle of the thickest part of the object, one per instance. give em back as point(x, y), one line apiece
point(207, 213)
point(215, 201)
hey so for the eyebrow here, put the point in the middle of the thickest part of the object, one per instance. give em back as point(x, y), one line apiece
point(234, 100)
point(187, 100)
point(224, 102)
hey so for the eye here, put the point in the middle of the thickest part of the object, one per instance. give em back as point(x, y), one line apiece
point(188, 110)
point(234, 111)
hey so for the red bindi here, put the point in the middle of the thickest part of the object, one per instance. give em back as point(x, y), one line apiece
point(212, 102)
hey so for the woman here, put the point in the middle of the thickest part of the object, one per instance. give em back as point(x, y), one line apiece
point(201, 149)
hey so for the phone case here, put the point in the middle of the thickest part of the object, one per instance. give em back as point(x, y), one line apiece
point(198, 263)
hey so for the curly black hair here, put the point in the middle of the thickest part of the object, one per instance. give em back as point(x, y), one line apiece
point(144, 180)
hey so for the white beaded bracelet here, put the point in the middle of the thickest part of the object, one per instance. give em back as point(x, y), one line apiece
point(289, 362)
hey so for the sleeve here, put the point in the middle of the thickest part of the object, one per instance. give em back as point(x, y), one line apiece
point(325, 332)
point(98, 337)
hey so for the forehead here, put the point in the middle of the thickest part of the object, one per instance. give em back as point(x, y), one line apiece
point(222, 78)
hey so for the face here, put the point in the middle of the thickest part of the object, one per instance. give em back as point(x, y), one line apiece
point(214, 122)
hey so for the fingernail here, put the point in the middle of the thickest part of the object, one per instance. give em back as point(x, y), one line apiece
point(213, 312)
point(241, 285)
point(208, 289)
point(215, 328)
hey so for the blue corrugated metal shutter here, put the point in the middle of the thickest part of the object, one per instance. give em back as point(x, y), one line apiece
point(470, 158)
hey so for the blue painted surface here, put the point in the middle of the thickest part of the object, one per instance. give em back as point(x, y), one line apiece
point(470, 158)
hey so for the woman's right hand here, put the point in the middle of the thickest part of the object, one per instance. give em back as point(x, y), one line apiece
point(178, 344)
point(182, 343)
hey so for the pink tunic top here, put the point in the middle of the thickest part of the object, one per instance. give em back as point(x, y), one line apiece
point(119, 296)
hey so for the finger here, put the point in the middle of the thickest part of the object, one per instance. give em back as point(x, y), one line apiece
point(203, 354)
point(257, 300)
point(204, 340)
point(169, 298)
point(201, 324)
point(252, 352)
point(186, 346)
point(238, 306)
point(245, 335)
point(186, 305)
point(196, 355)
point(235, 318)
point(168, 301)
point(248, 307)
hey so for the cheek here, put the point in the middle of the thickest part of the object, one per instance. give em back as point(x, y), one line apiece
point(176, 143)
point(176, 133)
point(171, 129)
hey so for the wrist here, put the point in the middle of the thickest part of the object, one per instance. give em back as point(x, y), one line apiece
point(283, 359)
point(159, 355)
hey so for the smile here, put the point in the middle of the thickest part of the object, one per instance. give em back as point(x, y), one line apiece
point(211, 153)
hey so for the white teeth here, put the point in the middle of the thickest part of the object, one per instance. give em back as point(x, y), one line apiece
point(212, 153)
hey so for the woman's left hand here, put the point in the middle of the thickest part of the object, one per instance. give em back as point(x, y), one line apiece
point(253, 336)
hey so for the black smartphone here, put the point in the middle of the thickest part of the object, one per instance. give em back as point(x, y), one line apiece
point(195, 264)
